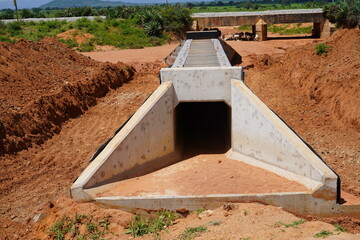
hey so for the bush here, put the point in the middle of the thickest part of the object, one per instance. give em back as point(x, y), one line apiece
point(344, 13)
point(138, 226)
point(322, 49)
point(5, 38)
point(71, 43)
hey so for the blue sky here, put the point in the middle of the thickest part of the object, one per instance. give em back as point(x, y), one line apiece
point(22, 3)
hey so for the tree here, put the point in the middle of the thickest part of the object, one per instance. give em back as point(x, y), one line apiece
point(26, 13)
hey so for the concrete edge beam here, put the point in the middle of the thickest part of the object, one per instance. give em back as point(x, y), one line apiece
point(182, 55)
point(295, 202)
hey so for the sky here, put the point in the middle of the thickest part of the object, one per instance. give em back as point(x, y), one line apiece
point(22, 3)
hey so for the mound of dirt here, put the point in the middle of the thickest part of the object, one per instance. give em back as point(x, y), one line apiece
point(77, 35)
point(332, 81)
point(44, 84)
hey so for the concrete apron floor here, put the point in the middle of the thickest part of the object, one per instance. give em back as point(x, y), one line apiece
point(204, 174)
point(210, 180)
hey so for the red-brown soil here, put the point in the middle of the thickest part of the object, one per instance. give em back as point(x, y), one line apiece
point(204, 174)
point(44, 84)
point(319, 98)
point(76, 35)
point(37, 180)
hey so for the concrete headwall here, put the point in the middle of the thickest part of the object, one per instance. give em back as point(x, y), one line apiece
point(260, 136)
point(202, 83)
point(146, 143)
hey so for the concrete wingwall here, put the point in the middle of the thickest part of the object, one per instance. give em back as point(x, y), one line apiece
point(260, 138)
point(146, 143)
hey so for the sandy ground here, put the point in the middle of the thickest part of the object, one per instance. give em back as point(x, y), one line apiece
point(204, 174)
point(145, 55)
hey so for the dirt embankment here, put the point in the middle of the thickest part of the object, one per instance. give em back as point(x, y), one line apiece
point(44, 84)
point(333, 80)
point(318, 96)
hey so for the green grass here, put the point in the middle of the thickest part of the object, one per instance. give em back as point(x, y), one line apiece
point(322, 49)
point(339, 228)
point(129, 27)
point(295, 223)
point(245, 28)
point(285, 29)
point(71, 227)
point(323, 234)
point(118, 33)
point(139, 226)
point(192, 232)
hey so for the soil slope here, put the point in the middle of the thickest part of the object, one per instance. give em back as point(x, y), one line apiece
point(44, 84)
point(318, 96)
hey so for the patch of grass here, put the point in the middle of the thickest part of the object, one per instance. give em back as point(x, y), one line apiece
point(139, 226)
point(339, 228)
point(199, 210)
point(295, 223)
point(214, 223)
point(71, 43)
point(66, 227)
point(286, 29)
point(245, 28)
point(192, 232)
point(323, 234)
point(322, 49)
point(87, 47)
point(6, 38)
point(246, 212)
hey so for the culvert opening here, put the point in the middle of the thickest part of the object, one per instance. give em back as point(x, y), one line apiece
point(203, 128)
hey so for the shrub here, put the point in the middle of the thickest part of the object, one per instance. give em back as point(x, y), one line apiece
point(5, 38)
point(322, 49)
point(138, 226)
point(71, 43)
point(344, 13)
point(192, 232)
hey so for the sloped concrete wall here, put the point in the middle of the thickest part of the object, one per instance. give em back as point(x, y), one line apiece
point(146, 143)
point(259, 135)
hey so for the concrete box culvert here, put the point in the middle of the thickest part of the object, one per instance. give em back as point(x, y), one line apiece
point(199, 118)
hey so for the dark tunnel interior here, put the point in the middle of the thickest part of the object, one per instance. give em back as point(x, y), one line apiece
point(203, 128)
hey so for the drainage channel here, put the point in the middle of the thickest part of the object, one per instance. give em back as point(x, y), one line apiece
point(203, 139)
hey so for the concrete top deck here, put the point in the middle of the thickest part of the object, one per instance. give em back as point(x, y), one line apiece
point(201, 53)
point(206, 20)
point(258, 13)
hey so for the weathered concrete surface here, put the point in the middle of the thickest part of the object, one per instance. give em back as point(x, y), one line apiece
point(251, 18)
point(202, 83)
point(146, 143)
point(259, 134)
